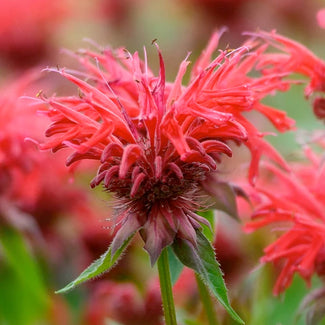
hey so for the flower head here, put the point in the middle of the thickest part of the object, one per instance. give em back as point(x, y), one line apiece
point(158, 144)
point(296, 58)
point(297, 210)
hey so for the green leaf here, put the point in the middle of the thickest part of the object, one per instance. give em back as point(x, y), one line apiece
point(23, 263)
point(21, 282)
point(203, 261)
point(175, 265)
point(103, 264)
point(209, 215)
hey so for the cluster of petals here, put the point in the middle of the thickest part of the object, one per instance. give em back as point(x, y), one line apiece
point(296, 58)
point(292, 204)
point(157, 143)
point(16, 156)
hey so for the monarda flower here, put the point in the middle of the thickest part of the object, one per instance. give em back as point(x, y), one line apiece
point(159, 144)
point(293, 205)
point(296, 58)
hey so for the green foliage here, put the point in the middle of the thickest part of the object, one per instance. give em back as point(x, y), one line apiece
point(203, 261)
point(23, 298)
point(175, 266)
point(285, 309)
point(208, 231)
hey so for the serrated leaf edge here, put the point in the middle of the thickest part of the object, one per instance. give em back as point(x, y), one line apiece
point(83, 277)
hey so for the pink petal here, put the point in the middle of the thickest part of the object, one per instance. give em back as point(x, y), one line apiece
point(321, 18)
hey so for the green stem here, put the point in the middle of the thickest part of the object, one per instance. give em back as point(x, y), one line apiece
point(206, 301)
point(166, 289)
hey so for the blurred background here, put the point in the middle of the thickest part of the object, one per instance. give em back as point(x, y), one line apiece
point(52, 225)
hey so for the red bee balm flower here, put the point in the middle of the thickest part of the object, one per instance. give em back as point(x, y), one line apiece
point(159, 143)
point(296, 58)
point(298, 206)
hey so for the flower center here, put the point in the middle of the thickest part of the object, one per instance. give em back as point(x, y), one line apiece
point(169, 186)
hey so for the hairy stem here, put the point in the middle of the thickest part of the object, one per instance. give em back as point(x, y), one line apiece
point(166, 289)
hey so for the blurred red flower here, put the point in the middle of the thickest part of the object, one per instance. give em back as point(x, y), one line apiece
point(117, 12)
point(319, 108)
point(293, 204)
point(185, 290)
point(321, 18)
point(295, 58)
point(122, 302)
point(36, 191)
point(26, 28)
